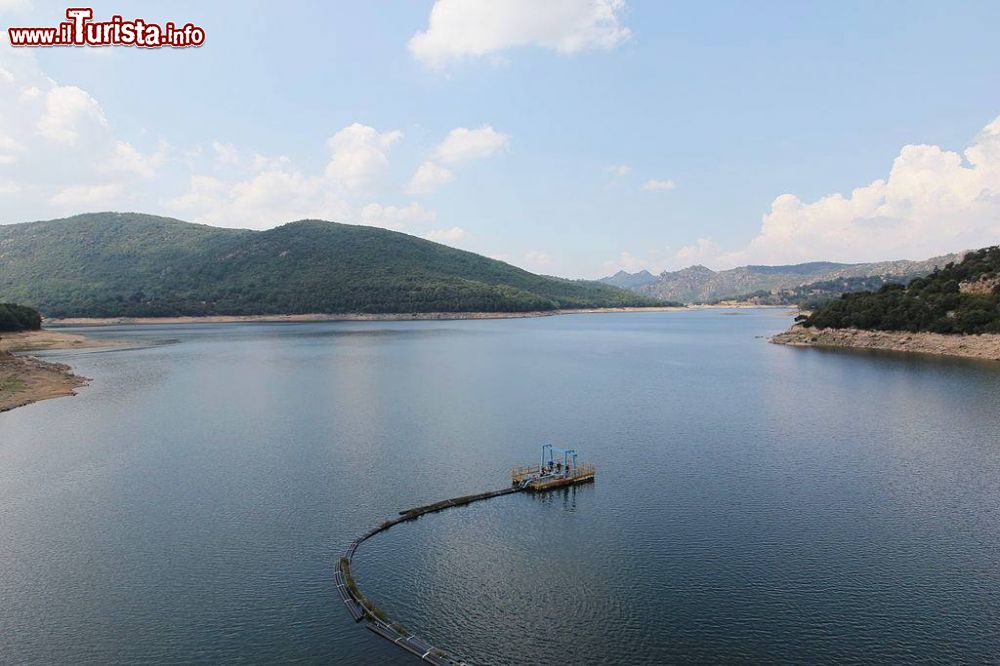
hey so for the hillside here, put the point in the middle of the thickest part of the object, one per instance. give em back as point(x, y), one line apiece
point(959, 298)
point(698, 284)
point(129, 264)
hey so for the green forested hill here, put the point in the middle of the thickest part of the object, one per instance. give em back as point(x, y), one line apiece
point(128, 264)
point(959, 298)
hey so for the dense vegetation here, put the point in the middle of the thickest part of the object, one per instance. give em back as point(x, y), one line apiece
point(959, 298)
point(118, 264)
point(15, 317)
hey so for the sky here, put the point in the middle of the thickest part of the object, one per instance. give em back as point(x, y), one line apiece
point(568, 137)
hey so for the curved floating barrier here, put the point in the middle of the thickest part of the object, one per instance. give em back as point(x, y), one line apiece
point(362, 608)
point(549, 474)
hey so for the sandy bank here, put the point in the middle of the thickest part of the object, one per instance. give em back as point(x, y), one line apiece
point(25, 379)
point(969, 346)
point(30, 341)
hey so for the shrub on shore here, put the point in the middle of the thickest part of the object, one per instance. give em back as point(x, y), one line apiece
point(15, 317)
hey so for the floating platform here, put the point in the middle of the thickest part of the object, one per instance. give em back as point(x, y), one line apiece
point(558, 467)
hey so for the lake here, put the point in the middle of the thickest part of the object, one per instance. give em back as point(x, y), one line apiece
point(754, 503)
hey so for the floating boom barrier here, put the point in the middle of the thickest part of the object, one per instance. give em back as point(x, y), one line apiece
point(549, 474)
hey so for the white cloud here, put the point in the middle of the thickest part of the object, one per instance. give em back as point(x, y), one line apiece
point(126, 159)
point(60, 155)
point(463, 144)
point(933, 201)
point(446, 236)
point(537, 260)
point(263, 162)
point(627, 262)
point(619, 170)
point(9, 150)
point(68, 112)
point(264, 200)
point(226, 154)
point(257, 191)
point(203, 192)
point(87, 196)
point(360, 156)
point(470, 28)
point(58, 150)
point(29, 93)
point(658, 185)
point(396, 218)
point(428, 178)
point(704, 249)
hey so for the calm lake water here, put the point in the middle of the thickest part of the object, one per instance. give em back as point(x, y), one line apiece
point(753, 503)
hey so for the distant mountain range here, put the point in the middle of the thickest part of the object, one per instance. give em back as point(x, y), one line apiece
point(624, 280)
point(698, 284)
point(134, 265)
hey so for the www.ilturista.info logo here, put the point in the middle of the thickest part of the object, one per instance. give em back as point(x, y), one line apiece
point(81, 30)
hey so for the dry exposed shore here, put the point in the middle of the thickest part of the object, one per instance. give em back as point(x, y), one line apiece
point(25, 379)
point(414, 316)
point(985, 346)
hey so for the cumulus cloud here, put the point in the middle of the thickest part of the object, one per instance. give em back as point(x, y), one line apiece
point(360, 156)
point(459, 29)
point(463, 144)
point(395, 217)
point(226, 154)
point(704, 249)
point(124, 158)
point(57, 150)
point(460, 145)
point(10, 149)
point(427, 178)
point(86, 196)
point(60, 155)
point(625, 261)
point(654, 185)
point(619, 170)
point(932, 201)
point(446, 236)
point(68, 111)
point(259, 191)
point(271, 197)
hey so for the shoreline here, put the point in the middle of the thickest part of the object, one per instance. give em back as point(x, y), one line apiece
point(982, 347)
point(25, 379)
point(60, 322)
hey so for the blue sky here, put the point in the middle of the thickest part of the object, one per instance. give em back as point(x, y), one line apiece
point(749, 117)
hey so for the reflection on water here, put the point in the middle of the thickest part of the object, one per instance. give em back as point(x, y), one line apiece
point(753, 503)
